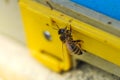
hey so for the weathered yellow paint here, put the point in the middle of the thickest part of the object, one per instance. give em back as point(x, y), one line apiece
point(37, 19)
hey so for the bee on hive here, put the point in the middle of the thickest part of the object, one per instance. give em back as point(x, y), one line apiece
point(65, 35)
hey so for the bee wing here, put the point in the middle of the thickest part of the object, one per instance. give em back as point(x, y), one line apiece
point(69, 48)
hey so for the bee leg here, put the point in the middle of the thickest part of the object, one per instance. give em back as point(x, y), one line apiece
point(83, 50)
point(77, 41)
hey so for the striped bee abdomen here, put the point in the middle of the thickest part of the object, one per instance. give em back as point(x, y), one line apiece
point(75, 49)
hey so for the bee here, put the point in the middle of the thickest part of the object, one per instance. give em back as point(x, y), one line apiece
point(65, 35)
point(73, 46)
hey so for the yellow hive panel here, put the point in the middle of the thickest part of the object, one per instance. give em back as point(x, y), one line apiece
point(37, 19)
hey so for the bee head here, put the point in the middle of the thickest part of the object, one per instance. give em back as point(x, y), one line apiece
point(61, 31)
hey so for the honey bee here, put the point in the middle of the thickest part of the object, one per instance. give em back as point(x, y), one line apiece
point(65, 35)
point(73, 46)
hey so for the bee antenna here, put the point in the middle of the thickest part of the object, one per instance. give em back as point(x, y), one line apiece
point(57, 26)
point(54, 23)
point(70, 28)
point(65, 27)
